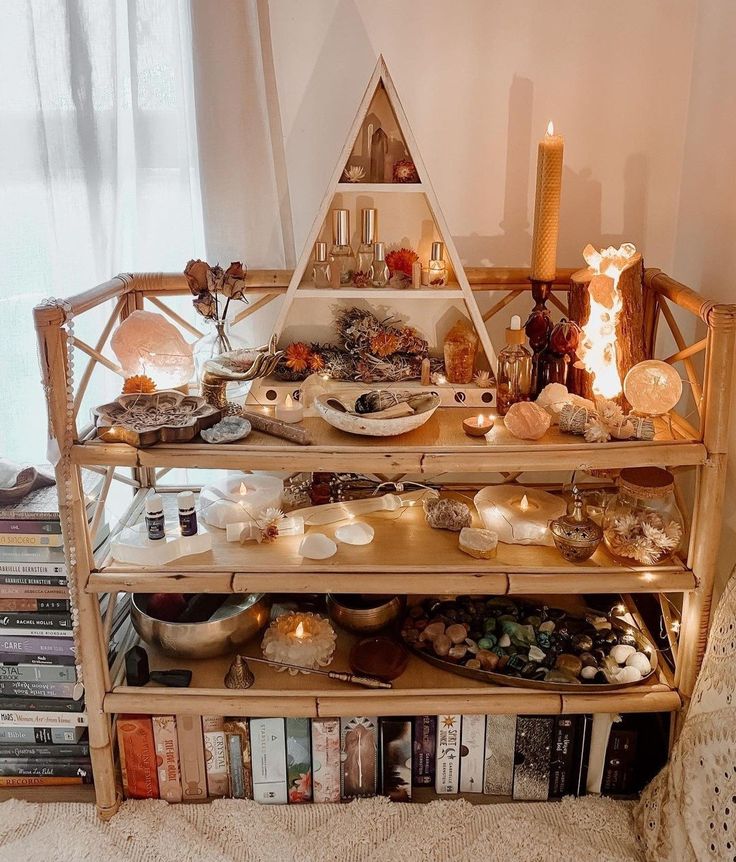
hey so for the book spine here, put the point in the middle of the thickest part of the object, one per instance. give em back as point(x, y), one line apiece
point(15, 593)
point(215, 755)
point(396, 748)
point(61, 622)
point(425, 745)
point(37, 688)
point(619, 772)
point(498, 772)
point(166, 743)
point(66, 769)
point(326, 759)
point(45, 735)
point(37, 660)
point(582, 754)
point(562, 761)
point(27, 644)
point(447, 760)
point(40, 707)
point(38, 673)
point(42, 540)
point(472, 753)
point(31, 751)
point(32, 575)
point(20, 631)
point(532, 757)
point(600, 732)
point(191, 757)
point(268, 750)
point(35, 781)
point(239, 756)
point(137, 757)
point(359, 756)
point(33, 605)
point(16, 526)
point(298, 760)
point(13, 717)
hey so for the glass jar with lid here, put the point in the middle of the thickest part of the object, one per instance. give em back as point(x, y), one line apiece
point(642, 525)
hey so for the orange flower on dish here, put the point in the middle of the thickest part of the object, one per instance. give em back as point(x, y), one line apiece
point(400, 260)
point(139, 383)
point(298, 356)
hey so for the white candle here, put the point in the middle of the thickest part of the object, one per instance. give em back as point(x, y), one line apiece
point(290, 411)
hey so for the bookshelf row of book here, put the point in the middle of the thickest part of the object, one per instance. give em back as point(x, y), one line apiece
point(184, 758)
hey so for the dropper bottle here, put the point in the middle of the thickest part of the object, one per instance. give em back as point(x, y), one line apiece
point(514, 378)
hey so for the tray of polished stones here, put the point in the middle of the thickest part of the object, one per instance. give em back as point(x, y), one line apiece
point(528, 645)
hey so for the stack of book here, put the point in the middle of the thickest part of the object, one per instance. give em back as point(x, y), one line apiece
point(279, 760)
point(42, 719)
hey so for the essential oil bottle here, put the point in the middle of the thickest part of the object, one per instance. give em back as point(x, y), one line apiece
point(514, 381)
point(367, 238)
point(321, 266)
point(187, 513)
point(155, 517)
point(342, 259)
point(379, 274)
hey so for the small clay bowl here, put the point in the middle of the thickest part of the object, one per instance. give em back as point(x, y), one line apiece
point(380, 657)
point(364, 614)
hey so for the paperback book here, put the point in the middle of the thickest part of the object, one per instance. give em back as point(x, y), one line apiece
point(447, 760)
point(137, 757)
point(299, 760)
point(166, 744)
point(268, 750)
point(359, 756)
point(215, 756)
point(396, 750)
point(326, 759)
point(191, 757)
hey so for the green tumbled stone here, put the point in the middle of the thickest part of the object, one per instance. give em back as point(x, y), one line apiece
point(520, 635)
point(488, 642)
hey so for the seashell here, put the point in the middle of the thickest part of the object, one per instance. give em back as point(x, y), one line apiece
point(317, 546)
point(227, 430)
point(355, 533)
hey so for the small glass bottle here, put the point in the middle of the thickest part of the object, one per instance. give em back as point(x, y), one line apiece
point(321, 266)
point(379, 274)
point(367, 238)
point(514, 381)
point(187, 512)
point(437, 265)
point(341, 255)
point(155, 517)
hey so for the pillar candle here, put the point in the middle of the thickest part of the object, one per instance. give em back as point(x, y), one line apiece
point(547, 206)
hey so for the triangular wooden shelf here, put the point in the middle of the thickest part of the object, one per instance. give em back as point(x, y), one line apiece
point(381, 87)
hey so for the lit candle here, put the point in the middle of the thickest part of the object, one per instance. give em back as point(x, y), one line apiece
point(519, 520)
point(290, 411)
point(477, 426)
point(547, 206)
point(303, 639)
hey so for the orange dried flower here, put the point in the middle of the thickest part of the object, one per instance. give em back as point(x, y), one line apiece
point(316, 362)
point(400, 260)
point(298, 356)
point(384, 344)
point(139, 383)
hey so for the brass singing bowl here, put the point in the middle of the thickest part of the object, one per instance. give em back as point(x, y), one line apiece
point(201, 640)
point(356, 617)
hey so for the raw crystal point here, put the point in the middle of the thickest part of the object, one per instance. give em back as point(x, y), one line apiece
point(461, 344)
point(527, 421)
point(447, 514)
point(146, 343)
point(355, 533)
point(317, 546)
point(239, 675)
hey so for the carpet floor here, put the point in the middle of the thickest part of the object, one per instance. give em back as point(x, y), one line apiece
point(367, 830)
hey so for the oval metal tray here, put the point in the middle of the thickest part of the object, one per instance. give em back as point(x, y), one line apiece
point(491, 677)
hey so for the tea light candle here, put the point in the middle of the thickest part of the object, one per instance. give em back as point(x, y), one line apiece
point(299, 638)
point(290, 411)
point(477, 426)
point(519, 515)
point(239, 497)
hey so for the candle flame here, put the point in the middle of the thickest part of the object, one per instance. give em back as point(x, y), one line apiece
point(479, 420)
point(524, 503)
point(597, 349)
point(300, 630)
point(243, 488)
point(289, 402)
point(550, 128)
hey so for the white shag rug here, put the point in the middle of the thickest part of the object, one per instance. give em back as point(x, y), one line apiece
point(366, 830)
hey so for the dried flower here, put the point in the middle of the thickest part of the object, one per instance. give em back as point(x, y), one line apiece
point(361, 279)
point(643, 537)
point(482, 379)
point(405, 172)
point(298, 356)
point(196, 275)
point(138, 383)
point(204, 303)
point(316, 360)
point(385, 343)
point(354, 173)
point(596, 431)
point(401, 260)
point(233, 284)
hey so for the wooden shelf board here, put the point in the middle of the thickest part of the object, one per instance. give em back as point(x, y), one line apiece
point(422, 689)
point(405, 556)
point(375, 188)
point(449, 292)
point(439, 446)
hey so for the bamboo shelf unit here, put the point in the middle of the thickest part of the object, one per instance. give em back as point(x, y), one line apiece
point(419, 563)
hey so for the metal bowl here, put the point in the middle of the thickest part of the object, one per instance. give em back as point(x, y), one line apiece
point(202, 640)
point(364, 615)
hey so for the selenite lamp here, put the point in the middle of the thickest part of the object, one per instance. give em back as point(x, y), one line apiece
point(147, 343)
point(239, 497)
point(519, 515)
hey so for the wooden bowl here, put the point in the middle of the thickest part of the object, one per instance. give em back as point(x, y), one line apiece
point(364, 425)
point(364, 614)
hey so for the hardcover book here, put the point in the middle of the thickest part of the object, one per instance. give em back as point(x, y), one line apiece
point(137, 757)
point(582, 754)
point(532, 757)
point(46, 781)
point(619, 769)
point(41, 540)
point(14, 717)
point(38, 688)
point(166, 742)
point(563, 768)
point(30, 527)
point(38, 672)
point(326, 759)
point(23, 620)
point(447, 760)
point(37, 751)
point(37, 659)
point(425, 744)
point(46, 735)
point(191, 757)
point(395, 758)
point(215, 756)
point(268, 750)
point(64, 769)
point(239, 758)
point(39, 707)
point(498, 772)
point(32, 605)
point(472, 753)
point(24, 644)
point(299, 759)
point(19, 574)
point(358, 756)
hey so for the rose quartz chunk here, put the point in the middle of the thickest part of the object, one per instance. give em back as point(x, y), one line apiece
point(527, 420)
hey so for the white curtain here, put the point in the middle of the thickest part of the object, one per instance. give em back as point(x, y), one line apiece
point(98, 169)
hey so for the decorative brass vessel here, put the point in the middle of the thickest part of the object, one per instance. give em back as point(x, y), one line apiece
point(576, 536)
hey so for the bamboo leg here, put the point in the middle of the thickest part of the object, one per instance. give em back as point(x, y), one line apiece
point(73, 515)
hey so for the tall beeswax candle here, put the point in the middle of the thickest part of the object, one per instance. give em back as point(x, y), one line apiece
point(547, 206)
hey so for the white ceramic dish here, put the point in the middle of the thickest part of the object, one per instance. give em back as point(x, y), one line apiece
point(368, 427)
